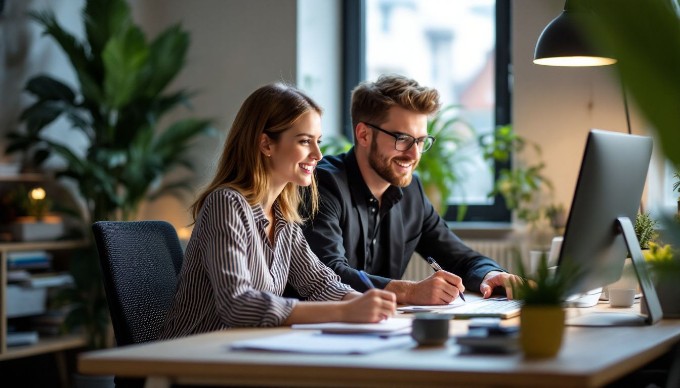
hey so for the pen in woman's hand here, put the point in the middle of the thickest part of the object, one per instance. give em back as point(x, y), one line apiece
point(435, 266)
point(364, 278)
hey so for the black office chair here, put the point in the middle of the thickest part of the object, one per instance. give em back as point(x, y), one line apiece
point(140, 262)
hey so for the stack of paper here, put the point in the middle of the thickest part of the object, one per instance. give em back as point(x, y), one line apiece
point(336, 338)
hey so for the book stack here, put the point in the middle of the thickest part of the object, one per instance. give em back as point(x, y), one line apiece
point(20, 338)
point(29, 260)
point(25, 301)
point(49, 279)
point(50, 323)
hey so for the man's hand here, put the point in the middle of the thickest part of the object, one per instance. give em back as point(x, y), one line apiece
point(498, 279)
point(440, 288)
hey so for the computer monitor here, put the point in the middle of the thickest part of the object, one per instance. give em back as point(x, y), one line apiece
point(599, 231)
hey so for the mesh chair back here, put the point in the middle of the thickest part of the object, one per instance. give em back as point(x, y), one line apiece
point(140, 262)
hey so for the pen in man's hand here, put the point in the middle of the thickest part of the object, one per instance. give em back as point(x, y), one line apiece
point(364, 278)
point(435, 266)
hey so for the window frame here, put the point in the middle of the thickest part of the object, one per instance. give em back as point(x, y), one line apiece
point(354, 58)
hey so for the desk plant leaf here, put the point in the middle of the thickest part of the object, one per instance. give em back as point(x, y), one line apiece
point(545, 287)
point(118, 105)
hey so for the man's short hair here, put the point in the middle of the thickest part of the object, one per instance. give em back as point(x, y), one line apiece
point(372, 100)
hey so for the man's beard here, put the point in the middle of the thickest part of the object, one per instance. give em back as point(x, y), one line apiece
point(382, 166)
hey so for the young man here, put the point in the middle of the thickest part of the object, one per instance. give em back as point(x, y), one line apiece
point(374, 213)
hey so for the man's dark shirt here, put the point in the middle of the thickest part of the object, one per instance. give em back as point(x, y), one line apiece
point(349, 232)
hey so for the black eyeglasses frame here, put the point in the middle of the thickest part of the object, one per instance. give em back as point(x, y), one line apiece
point(401, 136)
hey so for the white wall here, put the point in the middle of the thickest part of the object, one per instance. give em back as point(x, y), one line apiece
point(236, 46)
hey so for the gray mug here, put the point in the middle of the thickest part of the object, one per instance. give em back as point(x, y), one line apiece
point(430, 329)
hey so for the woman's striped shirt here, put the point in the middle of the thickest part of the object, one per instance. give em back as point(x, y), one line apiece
point(233, 277)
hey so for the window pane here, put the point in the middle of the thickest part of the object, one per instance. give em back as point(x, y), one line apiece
point(449, 45)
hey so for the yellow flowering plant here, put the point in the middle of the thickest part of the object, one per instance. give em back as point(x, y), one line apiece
point(659, 258)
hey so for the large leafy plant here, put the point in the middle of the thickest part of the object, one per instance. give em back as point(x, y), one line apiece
point(439, 168)
point(648, 62)
point(118, 105)
point(676, 184)
point(648, 58)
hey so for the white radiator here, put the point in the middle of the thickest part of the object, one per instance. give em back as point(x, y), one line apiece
point(503, 251)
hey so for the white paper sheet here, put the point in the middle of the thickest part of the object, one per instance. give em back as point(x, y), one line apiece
point(423, 309)
point(385, 326)
point(318, 343)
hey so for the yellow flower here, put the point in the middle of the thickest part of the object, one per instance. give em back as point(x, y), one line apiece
point(658, 253)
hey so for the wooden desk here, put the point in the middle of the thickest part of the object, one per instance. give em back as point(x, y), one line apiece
point(589, 357)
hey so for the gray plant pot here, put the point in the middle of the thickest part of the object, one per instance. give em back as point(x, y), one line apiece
point(668, 292)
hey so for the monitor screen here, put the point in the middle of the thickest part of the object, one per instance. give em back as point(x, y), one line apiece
point(609, 187)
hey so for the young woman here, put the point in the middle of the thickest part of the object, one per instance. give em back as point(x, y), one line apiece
point(247, 243)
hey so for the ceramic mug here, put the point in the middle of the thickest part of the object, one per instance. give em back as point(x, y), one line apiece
point(621, 297)
point(430, 329)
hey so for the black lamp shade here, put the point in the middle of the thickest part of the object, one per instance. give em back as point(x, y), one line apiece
point(563, 44)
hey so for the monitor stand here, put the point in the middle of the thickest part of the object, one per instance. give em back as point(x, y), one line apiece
point(649, 297)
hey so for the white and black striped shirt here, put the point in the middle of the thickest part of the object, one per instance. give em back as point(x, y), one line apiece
point(233, 277)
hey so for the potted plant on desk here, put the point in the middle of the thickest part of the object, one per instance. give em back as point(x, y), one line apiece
point(664, 265)
point(542, 316)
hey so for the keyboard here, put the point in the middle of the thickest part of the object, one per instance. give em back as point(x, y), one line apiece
point(493, 307)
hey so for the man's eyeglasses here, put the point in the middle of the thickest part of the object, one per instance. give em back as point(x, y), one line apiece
point(403, 142)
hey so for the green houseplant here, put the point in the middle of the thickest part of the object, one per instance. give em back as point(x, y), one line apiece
point(646, 234)
point(527, 192)
point(334, 145)
point(439, 168)
point(524, 187)
point(118, 105)
point(645, 229)
point(542, 316)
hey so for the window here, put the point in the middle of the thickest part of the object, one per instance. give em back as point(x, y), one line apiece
point(460, 47)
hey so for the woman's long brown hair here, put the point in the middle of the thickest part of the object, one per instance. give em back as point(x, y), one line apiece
point(271, 109)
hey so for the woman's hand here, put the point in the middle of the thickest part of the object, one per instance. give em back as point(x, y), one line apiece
point(372, 306)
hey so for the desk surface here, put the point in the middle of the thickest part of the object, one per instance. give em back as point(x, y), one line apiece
point(589, 357)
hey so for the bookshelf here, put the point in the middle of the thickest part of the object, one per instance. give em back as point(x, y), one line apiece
point(45, 344)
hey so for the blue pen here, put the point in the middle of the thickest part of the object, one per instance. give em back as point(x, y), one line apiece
point(435, 266)
point(364, 278)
